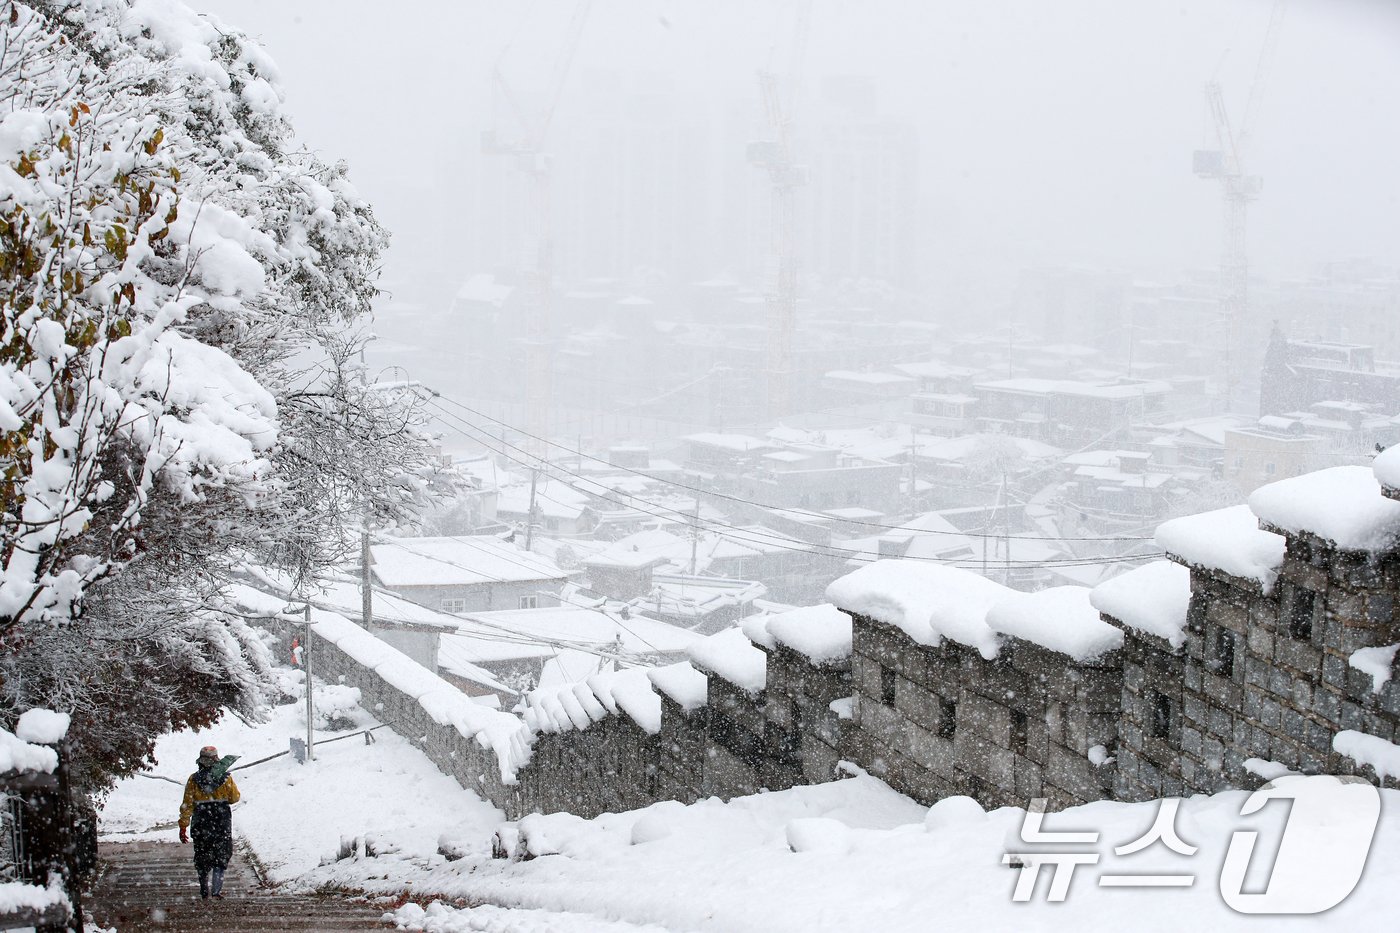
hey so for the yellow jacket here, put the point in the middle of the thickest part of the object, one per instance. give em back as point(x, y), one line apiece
point(227, 792)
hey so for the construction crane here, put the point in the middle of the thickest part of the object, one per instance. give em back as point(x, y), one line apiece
point(527, 148)
point(785, 176)
point(1226, 164)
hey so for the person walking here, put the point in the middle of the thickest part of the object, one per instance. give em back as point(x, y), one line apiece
point(206, 813)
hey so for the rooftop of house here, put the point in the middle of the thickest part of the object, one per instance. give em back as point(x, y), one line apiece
point(457, 561)
point(513, 634)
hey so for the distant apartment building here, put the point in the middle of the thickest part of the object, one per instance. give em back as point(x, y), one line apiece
point(1067, 413)
point(1274, 449)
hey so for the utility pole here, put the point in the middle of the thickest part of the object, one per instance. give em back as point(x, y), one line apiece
point(366, 591)
point(306, 668)
point(695, 534)
point(530, 518)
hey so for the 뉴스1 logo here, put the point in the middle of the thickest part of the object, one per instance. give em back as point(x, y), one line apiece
point(1311, 863)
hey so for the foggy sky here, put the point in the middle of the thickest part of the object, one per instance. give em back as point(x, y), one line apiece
point(1050, 132)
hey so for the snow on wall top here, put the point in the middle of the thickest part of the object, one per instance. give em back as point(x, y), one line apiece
point(822, 633)
point(42, 726)
point(730, 655)
point(1228, 540)
point(1153, 599)
point(1060, 618)
point(18, 755)
point(928, 602)
point(1343, 505)
point(579, 705)
point(492, 729)
point(682, 683)
point(1386, 466)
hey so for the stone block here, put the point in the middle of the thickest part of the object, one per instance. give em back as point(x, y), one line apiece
point(918, 704)
point(986, 760)
point(1260, 642)
point(988, 719)
point(1191, 740)
point(928, 750)
point(1073, 773)
point(1299, 655)
point(1327, 704)
point(1317, 737)
point(1334, 670)
point(1029, 779)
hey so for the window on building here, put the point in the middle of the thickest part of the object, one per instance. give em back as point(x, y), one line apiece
point(1222, 652)
point(887, 685)
point(1239, 463)
point(1159, 714)
point(1270, 469)
point(1020, 724)
point(454, 605)
point(529, 602)
point(1298, 606)
point(947, 718)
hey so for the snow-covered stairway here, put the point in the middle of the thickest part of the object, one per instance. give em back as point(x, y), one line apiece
point(147, 886)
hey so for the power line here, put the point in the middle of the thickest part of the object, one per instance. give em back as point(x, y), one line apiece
point(749, 502)
point(773, 541)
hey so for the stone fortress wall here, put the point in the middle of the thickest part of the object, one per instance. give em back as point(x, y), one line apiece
point(1263, 645)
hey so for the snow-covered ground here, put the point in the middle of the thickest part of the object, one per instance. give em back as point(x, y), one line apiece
point(848, 855)
point(294, 815)
point(853, 855)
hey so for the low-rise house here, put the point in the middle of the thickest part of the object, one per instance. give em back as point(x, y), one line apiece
point(466, 574)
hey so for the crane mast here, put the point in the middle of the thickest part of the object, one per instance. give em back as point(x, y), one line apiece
point(537, 275)
point(1226, 164)
point(775, 156)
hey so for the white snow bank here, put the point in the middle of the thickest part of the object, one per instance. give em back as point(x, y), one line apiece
point(1379, 662)
point(1343, 505)
point(927, 602)
point(1152, 598)
point(730, 655)
point(729, 867)
point(822, 633)
point(682, 683)
point(42, 726)
point(1382, 756)
point(18, 755)
point(1060, 618)
point(1386, 466)
point(1228, 540)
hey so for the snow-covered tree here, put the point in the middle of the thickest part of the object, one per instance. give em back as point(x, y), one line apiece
point(185, 296)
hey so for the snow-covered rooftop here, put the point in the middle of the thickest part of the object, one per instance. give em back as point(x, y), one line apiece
point(484, 637)
point(1228, 540)
point(1153, 598)
point(1060, 618)
point(458, 561)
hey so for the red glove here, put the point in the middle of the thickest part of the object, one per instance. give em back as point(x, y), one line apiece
point(184, 834)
